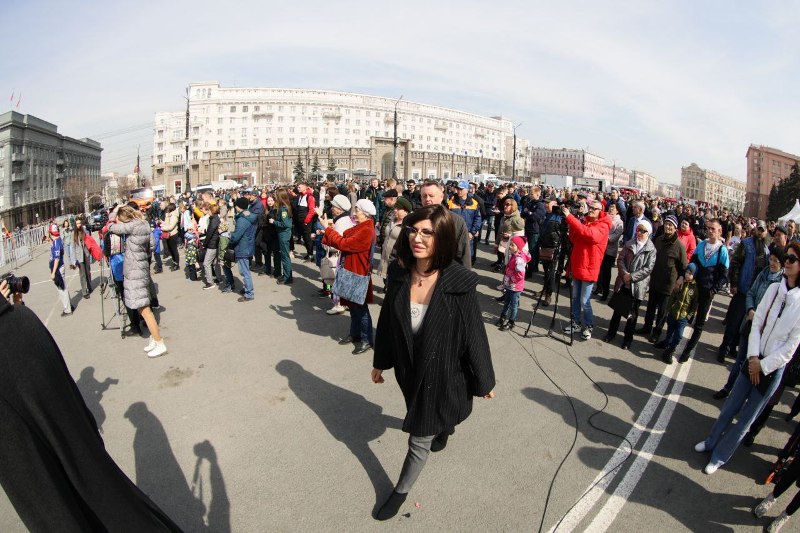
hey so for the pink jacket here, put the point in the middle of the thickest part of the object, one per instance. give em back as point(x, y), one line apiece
point(514, 278)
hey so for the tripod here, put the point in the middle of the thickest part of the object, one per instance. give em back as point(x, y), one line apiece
point(551, 278)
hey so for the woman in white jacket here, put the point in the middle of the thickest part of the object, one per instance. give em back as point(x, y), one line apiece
point(774, 336)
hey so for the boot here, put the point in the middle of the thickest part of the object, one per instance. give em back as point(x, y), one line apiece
point(440, 441)
point(667, 355)
point(392, 505)
point(644, 330)
point(686, 355)
point(547, 298)
point(507, 326)
point(501, 321)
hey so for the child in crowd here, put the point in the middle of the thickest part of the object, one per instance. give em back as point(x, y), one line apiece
point(157, 252)
point(682, 304)
point(191, 256)
point(513, 281)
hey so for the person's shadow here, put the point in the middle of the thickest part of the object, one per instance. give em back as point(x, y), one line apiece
point(159, 475)
point(92, 392)
point(349, 418)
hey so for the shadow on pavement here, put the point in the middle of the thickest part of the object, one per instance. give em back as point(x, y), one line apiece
point(349, 418)
point(159, 475)
point(92, 392)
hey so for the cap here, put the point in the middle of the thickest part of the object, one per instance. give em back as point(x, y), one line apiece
point(463, 184)
point(366, 206)
point(404, 204)
point(54, 229)
point(672, 219)
point(761, 224)
point(782, 228)
point(391, 193)
point(341, 202)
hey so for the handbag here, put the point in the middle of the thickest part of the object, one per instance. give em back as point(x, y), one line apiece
point(764, 380)
point(229, 256)
point(327, 267)
point(351, 286)
point(546, 254)
point(622, 302)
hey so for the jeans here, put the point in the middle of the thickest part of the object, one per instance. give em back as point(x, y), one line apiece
point(247, 279)
point(286, 261)
point(675, 329)
point(360, 323)
point(418, 450)
point(741, 356)
point(746, 402)
point(226, 270)
point(582, 300)
point(511, 305)
point(489, 226)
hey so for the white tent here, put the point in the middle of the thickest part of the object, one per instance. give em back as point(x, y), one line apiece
point(794, 214)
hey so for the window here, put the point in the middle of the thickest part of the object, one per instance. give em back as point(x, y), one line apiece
point(219, 144)
point(219, 132)
point(256, 108)
point(178, 184)
point(219, 120)
point(244, 109)
point(196, 130)
point(233, 109)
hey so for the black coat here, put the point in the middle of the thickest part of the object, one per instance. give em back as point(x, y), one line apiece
point(452, 362)
point(212, 234)
point(53, 464)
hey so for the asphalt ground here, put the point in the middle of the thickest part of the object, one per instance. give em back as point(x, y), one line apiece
point(257, 420)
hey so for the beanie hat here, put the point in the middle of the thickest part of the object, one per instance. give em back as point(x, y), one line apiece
point(692, 268)
point(391, 193)
point(519, 241)
point(672, 219)
point(341, 202)
point(404, 204)
point(242, 203)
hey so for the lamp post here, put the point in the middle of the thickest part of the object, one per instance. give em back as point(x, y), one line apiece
point(394, 147)
point(516, 155)
point(188, 185)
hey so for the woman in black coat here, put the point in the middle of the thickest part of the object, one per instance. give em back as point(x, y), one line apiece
point(431, 332)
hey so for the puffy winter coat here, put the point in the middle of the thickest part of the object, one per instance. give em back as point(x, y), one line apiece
point(689, 242)
point(778, 315)
point(136, 269)
point(670, 263)
point(638, 264)
point(244, 237)
point(514, 278)
point(589, 241)
point(468, 210)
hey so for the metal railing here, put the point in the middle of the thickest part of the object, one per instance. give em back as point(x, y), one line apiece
point(20, 247)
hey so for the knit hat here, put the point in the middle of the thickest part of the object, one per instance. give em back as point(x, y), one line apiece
point(341, 202)
point(242, 203)
point(366, 206)
point(779, 254)
point(519, 241)
point(672, 219)
point(692, 268)
point(404, 204)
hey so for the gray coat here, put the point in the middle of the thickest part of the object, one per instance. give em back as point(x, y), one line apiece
point(136, 268)
point(617, 227)
point(639, 265)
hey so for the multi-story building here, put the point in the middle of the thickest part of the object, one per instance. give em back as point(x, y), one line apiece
point(712, 188)
point(566, 162)
point(643, 181)
point(669, 190)
point(765, 167)
point(40, 169)
point(258, 135)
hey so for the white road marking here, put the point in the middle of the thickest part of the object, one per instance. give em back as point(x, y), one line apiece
point(608, 513)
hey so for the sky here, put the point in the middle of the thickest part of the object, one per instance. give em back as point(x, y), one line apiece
point(652, 86)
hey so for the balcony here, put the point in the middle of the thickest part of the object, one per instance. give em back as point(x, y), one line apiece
point(441, 126)
point(332, 114)
point(18, 157)
point(17, 176)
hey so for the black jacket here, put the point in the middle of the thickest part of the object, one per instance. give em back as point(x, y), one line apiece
point(211, 241)
point(534, 213)
point(670, 263)
point(448, 362)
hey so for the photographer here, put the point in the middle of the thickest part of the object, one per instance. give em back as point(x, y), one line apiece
point(589, 240)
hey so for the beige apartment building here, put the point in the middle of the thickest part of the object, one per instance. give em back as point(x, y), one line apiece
point(765, 167)
point(712, 188)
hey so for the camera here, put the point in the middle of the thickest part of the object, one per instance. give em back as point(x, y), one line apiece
point(17, 284)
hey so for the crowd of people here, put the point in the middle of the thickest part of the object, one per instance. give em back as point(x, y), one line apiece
point(672, 261)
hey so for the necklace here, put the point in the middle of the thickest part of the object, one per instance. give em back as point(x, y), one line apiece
point(422, 277)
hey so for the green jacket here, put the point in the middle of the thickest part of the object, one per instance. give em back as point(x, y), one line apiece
point(683, 303)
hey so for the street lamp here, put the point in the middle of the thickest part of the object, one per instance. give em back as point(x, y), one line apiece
point(514, 160)
point(394, 149)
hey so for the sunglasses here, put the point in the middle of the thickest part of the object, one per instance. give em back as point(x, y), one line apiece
point(426, 233)
point(641, 230)
point(791, 259)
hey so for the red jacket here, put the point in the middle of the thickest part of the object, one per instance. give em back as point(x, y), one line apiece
point(689, 242)
point(355, 245)
point(312, 205)
point(589, 241)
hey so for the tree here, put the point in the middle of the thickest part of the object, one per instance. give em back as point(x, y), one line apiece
point(315, 166)
point(299, 171)
point(782, 196)
point(772, 206)
point(331, 165)
point(477, 170)
point(74, 191)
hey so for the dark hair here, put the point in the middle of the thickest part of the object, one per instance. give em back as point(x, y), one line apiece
point(793, 246)
point(444, 231)
point(282, 200)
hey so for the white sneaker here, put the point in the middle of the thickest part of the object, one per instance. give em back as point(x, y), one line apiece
point(778, 523)
point(573, 326)
point(336, 310)
point(762, 508)
point(159, 350)
point(151, 345)
point(586, 333)
point(700, 446)
point(711, 468)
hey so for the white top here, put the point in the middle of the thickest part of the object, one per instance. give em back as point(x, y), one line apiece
point(417, 316)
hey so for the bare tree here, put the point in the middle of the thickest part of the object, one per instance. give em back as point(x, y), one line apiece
point(74, 193)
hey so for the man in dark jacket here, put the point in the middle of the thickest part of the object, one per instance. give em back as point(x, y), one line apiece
point(257, 208)
point(464, 205)
point(243, 242)
point(489, 202)
point(749, 258)
point(412, 194)
point(670, 264)
point(533, 212)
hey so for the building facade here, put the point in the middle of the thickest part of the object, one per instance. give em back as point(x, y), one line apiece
point(765, 167)
point(712, 188)
point(39, 167)
point(643, 181)
point(257, 135)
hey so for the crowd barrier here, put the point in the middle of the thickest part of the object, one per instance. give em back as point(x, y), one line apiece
point(19, 248)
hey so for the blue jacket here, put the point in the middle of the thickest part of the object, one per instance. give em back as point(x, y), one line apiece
point(468, 210)
point(764, 279)
point(712, 273)
point(244, 237)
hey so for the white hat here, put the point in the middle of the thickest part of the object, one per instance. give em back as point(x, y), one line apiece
point(366, 206)
point(341, 202)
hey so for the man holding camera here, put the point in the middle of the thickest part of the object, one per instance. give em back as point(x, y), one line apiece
point(589, 240)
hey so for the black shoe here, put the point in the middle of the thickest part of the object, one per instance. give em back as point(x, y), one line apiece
point(749, 439)
point(685, 356)
point(643, 330)
point(604, 298)
point(85, 296)
point(507, 326)
point(392, 505)
point(347, 340)
point(173, 268)
point(500, 321)
point(608, 338)
point(660, 345)
point(652, 339)
point(721, 355)
point(158, 271)
point(440, 442)
point(720, 394)
point(361, 348)
point(667, 355)
point(208, 285)
point(501, 298)
point(626, 345)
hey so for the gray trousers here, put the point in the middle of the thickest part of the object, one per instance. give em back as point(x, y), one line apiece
point(84, 272)
point(63, 294)
point(418, 450)
point(209, 262)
